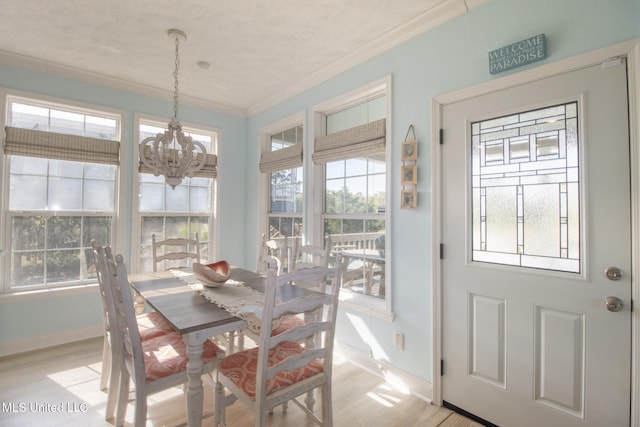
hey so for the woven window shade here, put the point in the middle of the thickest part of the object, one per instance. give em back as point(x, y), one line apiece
point(359, 141)
point(209, 170)
point(285, 158)
point(51, 145)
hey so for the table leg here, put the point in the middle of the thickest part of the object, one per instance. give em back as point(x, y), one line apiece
point(195, 396)
point(232, 342)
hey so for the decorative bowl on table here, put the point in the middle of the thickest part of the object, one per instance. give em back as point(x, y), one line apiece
point(212, 275)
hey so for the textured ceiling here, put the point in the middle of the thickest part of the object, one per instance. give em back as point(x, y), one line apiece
point(256, 49)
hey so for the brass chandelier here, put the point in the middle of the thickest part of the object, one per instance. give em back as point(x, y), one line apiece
point(172, 153)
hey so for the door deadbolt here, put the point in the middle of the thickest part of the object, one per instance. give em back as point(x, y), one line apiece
point(613, 303)
point(613, 273)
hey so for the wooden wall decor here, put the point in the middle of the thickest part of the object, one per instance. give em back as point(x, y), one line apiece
point(409, 171)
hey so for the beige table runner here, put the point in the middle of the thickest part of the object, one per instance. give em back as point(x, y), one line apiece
point(234, 296)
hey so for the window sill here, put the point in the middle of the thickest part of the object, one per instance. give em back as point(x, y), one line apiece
point(11, 297)
point(365, 304)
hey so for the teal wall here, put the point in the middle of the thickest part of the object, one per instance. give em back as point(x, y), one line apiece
point(447, 58)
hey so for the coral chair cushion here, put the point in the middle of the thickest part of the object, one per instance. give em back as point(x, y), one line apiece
point(152, 325)
point(241, 368)
point(167, 355)
point(286, 323)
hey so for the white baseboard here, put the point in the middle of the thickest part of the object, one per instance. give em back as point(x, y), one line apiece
point(418, 387)
point(8, 348)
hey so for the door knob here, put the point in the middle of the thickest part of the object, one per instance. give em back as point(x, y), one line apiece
point(613, 303)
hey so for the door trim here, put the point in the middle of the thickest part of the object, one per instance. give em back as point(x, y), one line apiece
point(629, 49)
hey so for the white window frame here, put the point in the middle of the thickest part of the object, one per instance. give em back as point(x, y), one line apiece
point(264, 183)
point(367, 304)
point(5, 231)
point(136, 216)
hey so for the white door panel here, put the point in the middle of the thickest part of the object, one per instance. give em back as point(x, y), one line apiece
point(533, 214)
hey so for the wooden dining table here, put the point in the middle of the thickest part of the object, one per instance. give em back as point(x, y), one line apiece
point(197, 319)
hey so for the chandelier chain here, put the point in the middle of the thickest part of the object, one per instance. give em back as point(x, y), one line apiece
point(175, 80)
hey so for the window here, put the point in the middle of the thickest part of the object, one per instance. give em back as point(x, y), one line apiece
point(181, 212)
point(352, 151)
point(62, 163)
point(283, 164)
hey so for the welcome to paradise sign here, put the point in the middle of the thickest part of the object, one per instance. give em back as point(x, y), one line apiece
point(518, 54)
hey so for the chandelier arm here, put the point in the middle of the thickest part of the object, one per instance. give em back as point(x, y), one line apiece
point(200, 161)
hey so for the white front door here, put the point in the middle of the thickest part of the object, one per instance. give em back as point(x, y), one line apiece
point(536, 207)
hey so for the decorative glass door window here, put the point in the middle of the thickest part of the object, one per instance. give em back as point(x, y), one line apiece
point(526, 189)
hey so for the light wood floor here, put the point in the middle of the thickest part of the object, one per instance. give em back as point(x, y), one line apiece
point(59, 386)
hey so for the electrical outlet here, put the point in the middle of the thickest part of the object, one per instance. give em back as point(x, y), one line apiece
point(398, 340)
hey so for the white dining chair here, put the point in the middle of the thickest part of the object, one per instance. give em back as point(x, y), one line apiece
point(264, 261)
point(169, 254)
point(273, 248)
point(155, 364)
point(280, 368)
point(174, 252)
point(290, 320)
point(263, 264)
point(150, 325)
point(306, 256)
